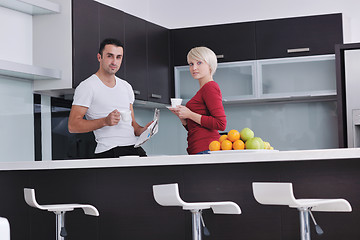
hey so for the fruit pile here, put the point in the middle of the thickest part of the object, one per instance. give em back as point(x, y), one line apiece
point(236, 140)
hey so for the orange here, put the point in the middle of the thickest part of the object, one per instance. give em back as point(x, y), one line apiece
point(233, 135)
point(222, 138)
point(226, 145)
point(238, 145)
point(214, 146)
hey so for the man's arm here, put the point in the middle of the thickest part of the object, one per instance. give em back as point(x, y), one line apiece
point(77, 123)
point(138, 130)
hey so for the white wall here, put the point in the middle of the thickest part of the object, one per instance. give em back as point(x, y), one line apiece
point(185, 13)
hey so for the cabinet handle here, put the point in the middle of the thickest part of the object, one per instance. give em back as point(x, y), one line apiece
point(153, 95)
point(220, 56)
point(136, 92)
point(296, 50)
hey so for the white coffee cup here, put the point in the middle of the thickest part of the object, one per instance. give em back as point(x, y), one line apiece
point(125, 115)
point(175, 102)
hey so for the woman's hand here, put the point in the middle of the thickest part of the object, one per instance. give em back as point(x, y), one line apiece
point(183, 112)
point(176, 111)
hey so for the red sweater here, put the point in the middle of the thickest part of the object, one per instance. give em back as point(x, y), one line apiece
point(208, 103)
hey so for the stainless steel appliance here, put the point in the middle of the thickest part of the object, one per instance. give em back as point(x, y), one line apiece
point(348, 78)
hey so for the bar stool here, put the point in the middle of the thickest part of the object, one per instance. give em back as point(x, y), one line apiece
point(4, 229)
point(282, 194)
point(59, 210)
point(168, 195)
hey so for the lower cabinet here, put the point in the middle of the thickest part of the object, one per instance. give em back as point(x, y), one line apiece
point(128, 210)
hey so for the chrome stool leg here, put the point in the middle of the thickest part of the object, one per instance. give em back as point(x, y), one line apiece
point(60, 225)
point(196, 224)
point(304, 224)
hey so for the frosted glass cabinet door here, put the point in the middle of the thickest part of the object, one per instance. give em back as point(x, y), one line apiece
point(302, 76)
point(236, 81)
point(289, 125)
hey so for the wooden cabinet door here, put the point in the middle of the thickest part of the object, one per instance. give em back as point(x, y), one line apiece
point(85, 39)
point(135, 55)
point(112, 26)
point(301, 36)
point(159, 87)
point(230, 42)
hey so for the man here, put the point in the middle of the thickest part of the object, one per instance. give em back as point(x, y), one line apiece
point(101, 98)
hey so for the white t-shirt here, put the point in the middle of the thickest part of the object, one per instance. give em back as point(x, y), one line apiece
point(102, 100)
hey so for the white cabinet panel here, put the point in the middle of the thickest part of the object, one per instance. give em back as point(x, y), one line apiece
point(290, 125)
point(236, 81)
point(33, 7)
point(303, 76)
point(283, 79)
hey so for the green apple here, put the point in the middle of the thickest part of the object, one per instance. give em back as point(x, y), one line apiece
point(261, 142)
point(246, 134)
point(252, 143)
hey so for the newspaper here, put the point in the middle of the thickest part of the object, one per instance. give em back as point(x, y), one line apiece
point(150, 131)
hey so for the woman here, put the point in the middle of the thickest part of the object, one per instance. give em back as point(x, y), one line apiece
point(204, 114)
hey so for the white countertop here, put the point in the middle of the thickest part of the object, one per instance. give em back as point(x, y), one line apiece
point(230, 157)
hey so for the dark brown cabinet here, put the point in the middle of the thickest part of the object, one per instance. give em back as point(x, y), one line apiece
point(158, 50)
point(111, 22)
point(230, 42)
point(135, 55)
point(146, 61)
point(85, 39)
point(300, 36)
point(90, 27)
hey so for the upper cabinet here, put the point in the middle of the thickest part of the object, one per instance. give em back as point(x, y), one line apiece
point(230, 42)
point(26, 71)
point(158, 52)
point(146, 48)
point(90, 27)
point(86, 41)
point(135, 55)
point(112, 25)
point(300, 36)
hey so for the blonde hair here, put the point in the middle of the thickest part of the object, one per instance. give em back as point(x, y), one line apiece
point(204, 54)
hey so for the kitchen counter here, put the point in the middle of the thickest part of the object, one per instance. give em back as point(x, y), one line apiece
point(223, 158)
point(121, 189)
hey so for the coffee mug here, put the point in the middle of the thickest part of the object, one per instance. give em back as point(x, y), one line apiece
point(175, 102)
point(125, 115)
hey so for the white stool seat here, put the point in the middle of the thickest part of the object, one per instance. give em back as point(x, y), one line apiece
point(282, 194)
point(274, 193)
point(30, 199)
point(168, 195)
point(324, 205)
point(59, 210)
point(4, 229)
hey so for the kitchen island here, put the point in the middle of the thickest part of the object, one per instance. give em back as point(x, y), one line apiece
point(121, 189)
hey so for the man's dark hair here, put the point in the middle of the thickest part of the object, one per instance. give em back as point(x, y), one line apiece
point(109, 41)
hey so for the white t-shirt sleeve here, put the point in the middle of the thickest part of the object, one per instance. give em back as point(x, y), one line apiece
point(83, 95)
point(131, 92)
